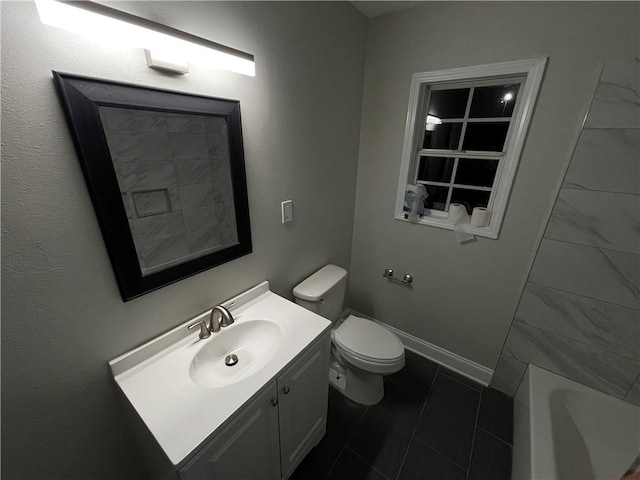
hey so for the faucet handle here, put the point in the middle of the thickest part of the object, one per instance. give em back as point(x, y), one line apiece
point(204, 331)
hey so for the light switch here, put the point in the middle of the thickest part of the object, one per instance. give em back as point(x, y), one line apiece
point(287, 211)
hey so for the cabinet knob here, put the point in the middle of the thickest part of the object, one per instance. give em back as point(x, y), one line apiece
point(286, 390)
point(274, 402)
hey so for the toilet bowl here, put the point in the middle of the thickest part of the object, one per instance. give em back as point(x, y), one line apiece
point(363, 351)
point(370, 351)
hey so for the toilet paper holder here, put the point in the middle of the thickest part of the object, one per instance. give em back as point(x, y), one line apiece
point(407, 280)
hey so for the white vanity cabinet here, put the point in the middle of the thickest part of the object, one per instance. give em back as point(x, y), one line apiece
point(198, 417)
point(247, 448)
point(274, 432)
point(302, 403)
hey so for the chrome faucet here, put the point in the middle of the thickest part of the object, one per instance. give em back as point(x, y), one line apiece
point(220, 317)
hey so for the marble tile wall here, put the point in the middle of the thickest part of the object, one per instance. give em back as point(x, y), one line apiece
point(508, 374)
point(173, 172)
point(579, 314)
point(633, 395)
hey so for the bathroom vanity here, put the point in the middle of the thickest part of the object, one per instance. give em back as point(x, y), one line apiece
point(198, 419)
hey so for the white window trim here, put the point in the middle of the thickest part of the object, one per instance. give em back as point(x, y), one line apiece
point(533, 69)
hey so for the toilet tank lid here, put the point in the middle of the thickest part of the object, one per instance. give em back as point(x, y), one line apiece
point(318, 284)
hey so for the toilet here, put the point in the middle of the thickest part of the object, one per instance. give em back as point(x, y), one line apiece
point(362, 351)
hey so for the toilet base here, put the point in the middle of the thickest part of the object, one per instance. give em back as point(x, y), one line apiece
point(337, 380)
point(361, 387)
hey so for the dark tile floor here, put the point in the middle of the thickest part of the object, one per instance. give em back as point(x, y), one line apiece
point(432, 424)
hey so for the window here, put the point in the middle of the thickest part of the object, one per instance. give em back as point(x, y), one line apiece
point(464, 134)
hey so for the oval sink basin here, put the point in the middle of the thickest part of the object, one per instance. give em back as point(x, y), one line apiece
point(254, 342)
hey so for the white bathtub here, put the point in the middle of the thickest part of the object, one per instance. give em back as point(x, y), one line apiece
point(566, 431)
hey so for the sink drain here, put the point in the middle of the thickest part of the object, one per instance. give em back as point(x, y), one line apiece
point(231, 360)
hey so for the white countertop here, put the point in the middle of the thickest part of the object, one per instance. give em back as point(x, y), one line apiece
point(180, 414)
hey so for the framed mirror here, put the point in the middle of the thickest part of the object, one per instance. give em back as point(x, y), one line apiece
point(166, 175)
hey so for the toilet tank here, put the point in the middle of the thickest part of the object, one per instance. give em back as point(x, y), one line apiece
point(323, 292)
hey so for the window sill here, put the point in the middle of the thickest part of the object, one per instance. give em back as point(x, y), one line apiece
point(442, 222)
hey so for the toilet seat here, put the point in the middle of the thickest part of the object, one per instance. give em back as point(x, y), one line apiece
point(369, 346)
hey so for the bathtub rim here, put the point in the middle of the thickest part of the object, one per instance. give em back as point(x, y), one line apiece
point(533, 452)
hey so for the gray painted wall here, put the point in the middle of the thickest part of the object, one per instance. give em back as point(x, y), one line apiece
point(63, 318)
point(464, 296)
point(579, 313)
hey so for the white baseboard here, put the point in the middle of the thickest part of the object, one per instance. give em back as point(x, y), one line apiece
point(458, 364)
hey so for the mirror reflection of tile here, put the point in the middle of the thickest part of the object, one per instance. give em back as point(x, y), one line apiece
point(173, 172)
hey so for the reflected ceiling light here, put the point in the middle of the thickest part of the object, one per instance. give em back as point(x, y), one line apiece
point(97, 21)
point(508, 96)
point(432, 121)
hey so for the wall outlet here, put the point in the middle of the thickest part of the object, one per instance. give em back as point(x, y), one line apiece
point(287, 211)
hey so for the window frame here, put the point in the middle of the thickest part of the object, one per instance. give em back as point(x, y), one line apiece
point(531, 71)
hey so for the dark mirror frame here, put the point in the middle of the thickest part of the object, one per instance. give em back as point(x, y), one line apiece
point(81, 98)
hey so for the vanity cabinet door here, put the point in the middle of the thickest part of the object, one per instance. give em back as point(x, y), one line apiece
point(302, 396)
point(247, 449)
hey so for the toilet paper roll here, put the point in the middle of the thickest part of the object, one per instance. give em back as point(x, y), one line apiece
point(460, 218)
point(480, 217)
point(456, 209)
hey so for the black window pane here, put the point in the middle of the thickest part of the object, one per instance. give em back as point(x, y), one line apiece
point(485, 137)
point(448, 103)
point(494, 101)
point(445, 136)
point(476, 172)
point(435, 169)
point(470, 198)
point(437, 198)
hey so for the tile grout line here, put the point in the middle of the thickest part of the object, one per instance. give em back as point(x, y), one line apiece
point(521, 376)
point(333, 465)
point(609, 302)
point(411, 439)
point(413, 434)
point(365, 461)
point(586, 244)
point(433, 447)
point(449, 459)
point(438, 452)
point(494, 436)
point(598, 191)
point(630, 387)
point(460, 382)
point(581, 342)
point(610, 127)
point(473, 440)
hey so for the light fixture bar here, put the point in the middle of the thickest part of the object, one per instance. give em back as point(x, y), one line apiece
point(92, 19)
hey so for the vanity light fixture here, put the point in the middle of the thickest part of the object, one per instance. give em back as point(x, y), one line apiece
point(94, 20)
